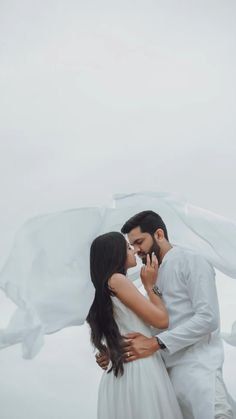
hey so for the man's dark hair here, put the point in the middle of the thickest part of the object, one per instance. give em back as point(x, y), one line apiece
point(148, 221)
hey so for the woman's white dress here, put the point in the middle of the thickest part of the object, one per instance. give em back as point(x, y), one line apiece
point(144, 391)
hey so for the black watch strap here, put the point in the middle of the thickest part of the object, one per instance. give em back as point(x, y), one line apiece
point(161, 344)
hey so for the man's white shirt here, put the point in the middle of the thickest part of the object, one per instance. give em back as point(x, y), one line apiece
point(194, 351)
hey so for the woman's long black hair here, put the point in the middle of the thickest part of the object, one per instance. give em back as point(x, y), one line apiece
point(108, 255)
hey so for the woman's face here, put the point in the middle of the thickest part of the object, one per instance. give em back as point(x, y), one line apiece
point(131, 259)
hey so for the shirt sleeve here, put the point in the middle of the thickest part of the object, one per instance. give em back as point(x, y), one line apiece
point(199, 278)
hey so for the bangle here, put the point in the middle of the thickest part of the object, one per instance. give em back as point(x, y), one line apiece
point(157, 291)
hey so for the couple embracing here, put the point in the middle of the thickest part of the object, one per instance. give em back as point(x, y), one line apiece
point(162, 353)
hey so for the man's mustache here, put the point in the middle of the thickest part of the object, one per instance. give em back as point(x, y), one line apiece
point(143, 256)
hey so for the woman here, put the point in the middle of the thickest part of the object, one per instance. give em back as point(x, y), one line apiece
point(139, 389)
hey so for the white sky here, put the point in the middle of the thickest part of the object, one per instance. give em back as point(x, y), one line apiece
point(101, 98)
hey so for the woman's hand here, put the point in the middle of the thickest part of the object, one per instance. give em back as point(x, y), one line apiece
point(102, 359)
point(149, 272)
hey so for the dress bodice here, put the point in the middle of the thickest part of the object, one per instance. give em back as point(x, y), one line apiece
point(127, 320)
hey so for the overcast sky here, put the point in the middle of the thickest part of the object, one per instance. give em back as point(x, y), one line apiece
point(100, 98)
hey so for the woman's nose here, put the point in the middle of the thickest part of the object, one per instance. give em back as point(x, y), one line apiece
point(136, 249)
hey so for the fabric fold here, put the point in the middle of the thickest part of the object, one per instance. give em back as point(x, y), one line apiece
point(47, 272)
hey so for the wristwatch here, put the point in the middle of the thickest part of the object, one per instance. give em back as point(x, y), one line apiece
point(157, 291)
point(160, 343)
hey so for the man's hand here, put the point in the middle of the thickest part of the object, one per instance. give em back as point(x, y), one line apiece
point(138, 346)
point(102, 360)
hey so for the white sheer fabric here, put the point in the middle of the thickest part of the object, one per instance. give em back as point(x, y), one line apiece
point(47, 272)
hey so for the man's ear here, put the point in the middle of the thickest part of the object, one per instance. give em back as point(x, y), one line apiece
point(159, 234)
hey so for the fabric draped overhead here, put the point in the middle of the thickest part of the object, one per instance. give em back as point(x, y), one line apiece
point(47, 272)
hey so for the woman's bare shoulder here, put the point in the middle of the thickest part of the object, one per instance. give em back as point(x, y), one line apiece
point(118, 280)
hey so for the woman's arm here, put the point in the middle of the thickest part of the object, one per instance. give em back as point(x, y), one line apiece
point(153, 312)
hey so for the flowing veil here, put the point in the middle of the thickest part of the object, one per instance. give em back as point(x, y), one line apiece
point(47, 271)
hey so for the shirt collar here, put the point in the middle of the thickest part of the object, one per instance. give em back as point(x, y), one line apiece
point(170, 254)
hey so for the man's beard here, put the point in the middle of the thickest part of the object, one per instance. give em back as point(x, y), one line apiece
point(154, 248)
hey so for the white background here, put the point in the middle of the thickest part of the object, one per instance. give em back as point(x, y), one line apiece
point(99, 98)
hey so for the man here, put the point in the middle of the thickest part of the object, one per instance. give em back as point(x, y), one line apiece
point(191, 347)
